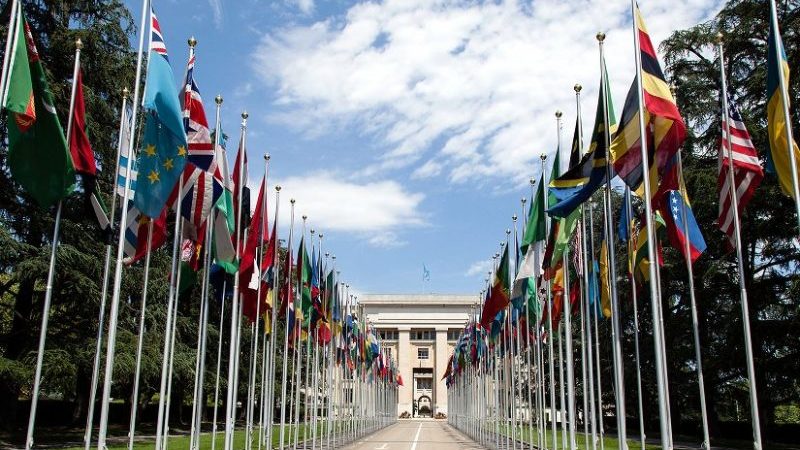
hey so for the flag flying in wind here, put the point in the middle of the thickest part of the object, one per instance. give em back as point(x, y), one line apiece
point(37, 151)
point(201, 150)
point(126, 167)
point(499, 296)
point(666, 129)
point(778, 158)
point(249, 269)
point(580, 182)
point(747, 173)
point(163, 155)
point(136, 234)
point(675, 210)
point(535, 229)
point(566, 225)
point(223, 249)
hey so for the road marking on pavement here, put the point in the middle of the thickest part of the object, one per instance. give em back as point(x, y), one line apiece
point(382, 447)
point(416, 438)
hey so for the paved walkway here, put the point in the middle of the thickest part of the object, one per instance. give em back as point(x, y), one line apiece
point(416, 435)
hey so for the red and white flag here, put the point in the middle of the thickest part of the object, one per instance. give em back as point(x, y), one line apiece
point(746, 170)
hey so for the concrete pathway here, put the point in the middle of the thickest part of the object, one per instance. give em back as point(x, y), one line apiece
point(416, 435)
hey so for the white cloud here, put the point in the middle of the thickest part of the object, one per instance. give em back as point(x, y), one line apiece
point(375, 210)
point(216, 9)
point(460, 89)
point(479, 268)
point(305, 6)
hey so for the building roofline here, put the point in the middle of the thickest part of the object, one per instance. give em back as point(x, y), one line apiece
point(420, 299)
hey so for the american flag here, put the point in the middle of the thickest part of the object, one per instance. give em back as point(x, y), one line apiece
point(747, 170)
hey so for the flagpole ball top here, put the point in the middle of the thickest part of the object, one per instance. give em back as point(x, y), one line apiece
point(578, 88)
point(245, 115)
point(558, 114)
point(291, 201)
point(508, 231)
point(192, 42)
point(266, 156)
point(514, 217)
point(600, 36)
point(543, 156)
point(720, 37)
point(320, 235)
point(125, 92)
point(218, 99)
point(327, 254)
point(523, 200)
point(278, 188)
point(312, 230)
point(78, 43)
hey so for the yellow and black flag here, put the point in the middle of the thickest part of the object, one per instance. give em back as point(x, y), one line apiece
point(666, 130)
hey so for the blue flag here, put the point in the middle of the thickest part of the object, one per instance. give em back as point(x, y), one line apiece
point(163, 154)
point(624, 221)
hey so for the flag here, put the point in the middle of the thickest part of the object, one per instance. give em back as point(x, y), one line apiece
point(778, 158)
point(673, 212)
point(499, 296)
point(201, 150)
point(581, 181)
point(136, 231)
point(79, 146)
point(641, 259)
point(163, 154)
point(223, 249)
point(200, 192)
point(37, 151)
point(566, 225)
point(747, 171)
point(249, 270)
point(524, 288)
point(624, 225)
point(238, 178)
point(605, 287)
point(304, 281)
point(535, 229)
point(666, 129)
point(426, 274)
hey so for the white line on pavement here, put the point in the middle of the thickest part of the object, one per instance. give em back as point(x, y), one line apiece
point(416, 438)
point(382, 447)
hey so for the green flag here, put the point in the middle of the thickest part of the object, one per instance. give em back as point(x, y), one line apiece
point(535, 229)
point(37, 155)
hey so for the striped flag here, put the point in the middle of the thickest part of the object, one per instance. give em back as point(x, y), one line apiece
point(201, 149)
point(666, 129)
point(136, 230)
point(747, 170)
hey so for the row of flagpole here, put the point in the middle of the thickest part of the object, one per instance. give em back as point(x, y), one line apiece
point(473, 368)
point(359, 386)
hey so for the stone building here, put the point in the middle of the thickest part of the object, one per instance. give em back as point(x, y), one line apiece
point(420, 332)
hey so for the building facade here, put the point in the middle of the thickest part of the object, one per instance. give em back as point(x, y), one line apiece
point(420, 332)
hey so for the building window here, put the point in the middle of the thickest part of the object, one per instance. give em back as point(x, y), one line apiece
point(388, 352)
point(453, 334)
point(424, 384)
point(422, 335)
point(387, 335)
point(423, 353)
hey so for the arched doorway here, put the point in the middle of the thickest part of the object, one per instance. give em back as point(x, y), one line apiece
point(424, 406)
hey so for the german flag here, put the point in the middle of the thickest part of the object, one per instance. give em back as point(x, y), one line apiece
point(666, 130)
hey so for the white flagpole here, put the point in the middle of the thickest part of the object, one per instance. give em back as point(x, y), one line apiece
point(655, 294)
point(285, 358)
point(751, 376)
point(11, 43)
point(87, 438)
point(140, 339)
point(631, 248)
point(219, 362)
point(230, 404)
point(52, 268)
point(270, 403)
point(608, 225)
point(588, 342)
point(114, 311)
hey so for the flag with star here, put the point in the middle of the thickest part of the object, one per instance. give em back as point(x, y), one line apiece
point(164, 149)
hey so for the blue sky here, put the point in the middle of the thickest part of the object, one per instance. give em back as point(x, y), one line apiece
point(407, 130)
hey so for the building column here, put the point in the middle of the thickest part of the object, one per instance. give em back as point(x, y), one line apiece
point(440, 365)
point(406, 391)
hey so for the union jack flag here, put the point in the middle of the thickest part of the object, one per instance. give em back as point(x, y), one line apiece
point(200, 192)
point(156, 39)
point(747, 172)
point(201, 149)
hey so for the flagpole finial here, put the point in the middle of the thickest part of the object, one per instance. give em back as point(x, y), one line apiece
point(327, 254)
point(601, 36)
point(578, 88)
point(278, 188)
point(523, 200)
point(192, 42)
point(78, 43)
point(245, 115)
point(543, 156)
point(312, 230)
point(125, 92)
point(558, 114)
point(532, 181)
point(218, 99)
point(320, 236)
point(266, 156)
point(720, 37)
point(508, 231)
point(514, 217)
point(291, 201)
